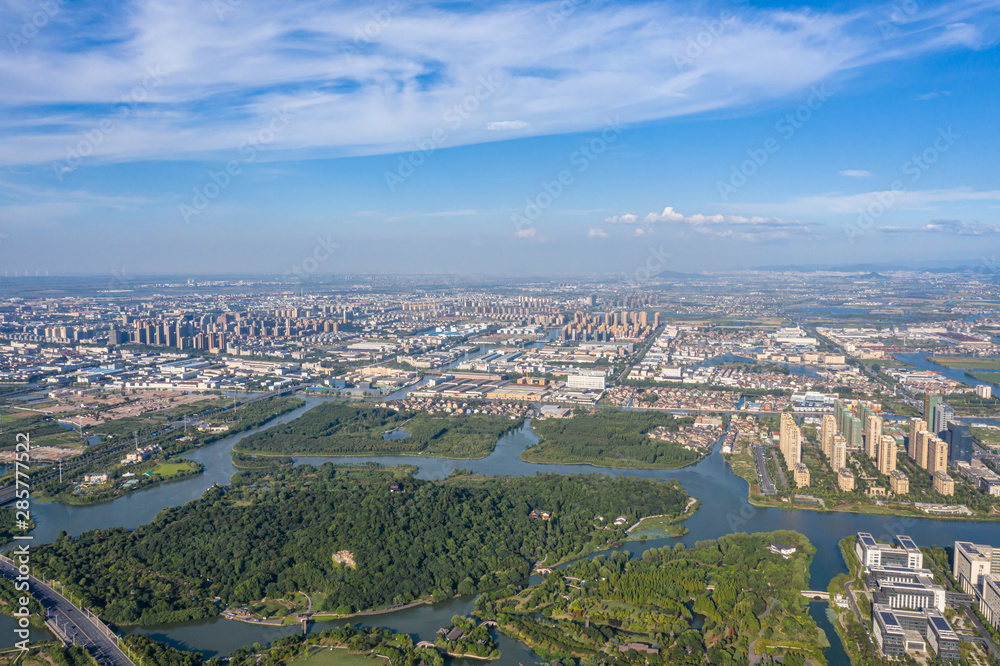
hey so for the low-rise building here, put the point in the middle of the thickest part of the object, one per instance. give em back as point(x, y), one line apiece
point(845, 480)
point(944, 484)
point(898, 632)
point(801, 475)
point(871, 553)
point(899, 482)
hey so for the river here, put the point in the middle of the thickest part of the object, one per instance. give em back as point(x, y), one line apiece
point(724, 510)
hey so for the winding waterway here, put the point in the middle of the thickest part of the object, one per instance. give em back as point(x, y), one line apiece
point(724, 510)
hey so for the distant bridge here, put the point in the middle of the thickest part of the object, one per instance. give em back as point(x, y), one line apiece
point(818, 595)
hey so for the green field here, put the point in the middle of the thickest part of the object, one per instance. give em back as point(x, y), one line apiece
point(610, 439)
point(355, 429)
point(174, 468)
point(966, 362)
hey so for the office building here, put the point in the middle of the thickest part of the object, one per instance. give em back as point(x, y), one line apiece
point(581, 381)
point(886, 454)
point(899, 587)
point(989, 600)
point(898, 632)
point(828, 431)
point(944, 484)
point(959, 442)
point(943, 414)
point(916, 426)
point(873, 435)
point(871, 553)
point(930, 401)
point(972, 562)
point(899, 482)
point(845, 480)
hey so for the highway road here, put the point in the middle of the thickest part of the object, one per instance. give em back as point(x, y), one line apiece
point(763, 477)
point(75, 625)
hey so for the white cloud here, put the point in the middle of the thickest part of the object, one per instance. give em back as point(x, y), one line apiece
point(932, 95)
point(597, 233)
point(755, 228)
point(530, 232)
point(856, 173)
point(425, 70)
point(627, 218)
point(506, 125)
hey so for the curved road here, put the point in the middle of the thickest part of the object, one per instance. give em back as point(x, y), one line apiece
point(75, 625)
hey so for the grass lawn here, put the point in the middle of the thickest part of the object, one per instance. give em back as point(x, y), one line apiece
point(657, 528)
point(966, 362)
point(64, 439)
point(336, 657)
point(175, 468)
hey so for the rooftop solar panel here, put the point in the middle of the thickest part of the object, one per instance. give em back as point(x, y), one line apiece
point(940, 623)
point(889, 619)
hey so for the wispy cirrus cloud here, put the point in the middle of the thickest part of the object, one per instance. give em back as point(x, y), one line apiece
point(946, 227)
point(838, 203)
point(856, 173)
point(419, 73)
point(742, 227)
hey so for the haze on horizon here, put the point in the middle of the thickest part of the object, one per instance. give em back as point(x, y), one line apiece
point(506, 138)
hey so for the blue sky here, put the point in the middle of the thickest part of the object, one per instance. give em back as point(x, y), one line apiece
point(509, 138)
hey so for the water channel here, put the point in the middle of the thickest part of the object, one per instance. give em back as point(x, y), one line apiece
point(724, 510)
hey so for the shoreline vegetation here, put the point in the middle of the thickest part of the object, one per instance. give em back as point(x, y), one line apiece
point(610, 438)
point(672, 605)
point(274, 532)
point(357, 429)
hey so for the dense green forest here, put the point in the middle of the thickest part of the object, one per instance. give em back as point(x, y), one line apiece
point(357, 429)
point(272, 533)
point(609, 439)
point(713, 600)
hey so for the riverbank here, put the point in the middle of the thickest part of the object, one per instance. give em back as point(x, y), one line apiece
point(663, 525)
point(164, 472)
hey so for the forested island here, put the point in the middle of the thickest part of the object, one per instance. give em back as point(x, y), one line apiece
point(728, 600)
point(610, 438)
point(338, 428)
point(353, 537)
